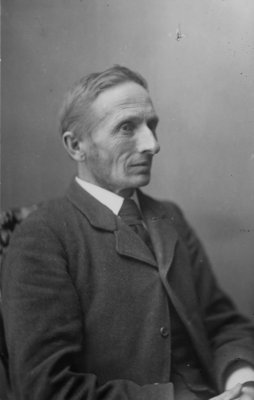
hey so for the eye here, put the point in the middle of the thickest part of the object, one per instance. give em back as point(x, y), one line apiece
point(127, 127)
point(152, 124)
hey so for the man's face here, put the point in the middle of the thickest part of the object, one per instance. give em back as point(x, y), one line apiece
point(123, 141)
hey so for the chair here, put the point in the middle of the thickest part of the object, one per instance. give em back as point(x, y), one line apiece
point(4, 381)
point(8, 222)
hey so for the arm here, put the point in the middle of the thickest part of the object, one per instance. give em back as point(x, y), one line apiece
point(43, 325)
point(230, 334)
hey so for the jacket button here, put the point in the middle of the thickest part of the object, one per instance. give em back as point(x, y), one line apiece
point(164, 331)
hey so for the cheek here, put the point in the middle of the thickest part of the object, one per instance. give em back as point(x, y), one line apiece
point(123, 150)
point(121, 161)
point(104, 161)
point(112, 156)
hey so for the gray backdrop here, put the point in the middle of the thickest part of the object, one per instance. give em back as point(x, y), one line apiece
point(198, 57)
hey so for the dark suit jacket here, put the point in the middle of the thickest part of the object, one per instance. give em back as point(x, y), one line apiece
point(84, 303)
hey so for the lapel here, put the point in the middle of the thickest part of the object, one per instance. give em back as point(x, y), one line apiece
point(181, 293)
point(127, 242)
point(98, 215)
point(162, 232)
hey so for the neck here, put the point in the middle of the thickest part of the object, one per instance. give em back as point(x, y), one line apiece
point(126, 193)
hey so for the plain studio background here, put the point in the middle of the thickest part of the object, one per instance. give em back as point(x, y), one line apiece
point(198, 58)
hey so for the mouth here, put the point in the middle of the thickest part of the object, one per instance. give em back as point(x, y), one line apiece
point(142, 166)
point(142, 163)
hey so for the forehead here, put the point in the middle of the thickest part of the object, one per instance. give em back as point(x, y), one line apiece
point(125, 99)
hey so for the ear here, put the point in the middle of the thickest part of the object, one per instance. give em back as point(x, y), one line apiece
point(74, 146)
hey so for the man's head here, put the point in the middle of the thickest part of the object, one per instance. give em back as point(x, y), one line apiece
point(108, 126)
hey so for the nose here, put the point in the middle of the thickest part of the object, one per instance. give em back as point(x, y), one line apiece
point(147, 141)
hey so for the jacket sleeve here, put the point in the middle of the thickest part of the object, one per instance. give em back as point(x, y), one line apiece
point(231, 335)
point(42, 318)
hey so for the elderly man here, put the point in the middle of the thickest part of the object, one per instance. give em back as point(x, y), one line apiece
point(107, 292)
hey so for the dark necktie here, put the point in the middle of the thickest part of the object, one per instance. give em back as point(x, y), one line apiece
point(131, 215)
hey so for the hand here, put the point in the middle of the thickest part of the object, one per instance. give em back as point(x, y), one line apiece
point(231, 394)
point(247, 392)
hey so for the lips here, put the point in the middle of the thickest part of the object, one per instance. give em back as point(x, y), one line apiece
point(142, 167)
point(142, 163)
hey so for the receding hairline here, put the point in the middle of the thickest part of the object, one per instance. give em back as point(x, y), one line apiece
point(74, 114)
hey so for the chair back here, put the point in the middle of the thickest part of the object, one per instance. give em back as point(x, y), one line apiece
point(8, 222)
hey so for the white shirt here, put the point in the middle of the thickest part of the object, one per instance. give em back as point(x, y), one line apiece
point(109, 199)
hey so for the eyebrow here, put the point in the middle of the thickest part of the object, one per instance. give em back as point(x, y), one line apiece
point(152, 118)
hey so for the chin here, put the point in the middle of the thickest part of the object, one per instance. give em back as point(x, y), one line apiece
point(141, 181)
point(134, 182)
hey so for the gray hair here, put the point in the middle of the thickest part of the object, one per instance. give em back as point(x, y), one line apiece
point(75, 112)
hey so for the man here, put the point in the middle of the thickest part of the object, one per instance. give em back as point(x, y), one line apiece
point(102, 304)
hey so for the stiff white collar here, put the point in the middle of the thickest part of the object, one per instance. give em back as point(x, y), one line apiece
point(111, 200)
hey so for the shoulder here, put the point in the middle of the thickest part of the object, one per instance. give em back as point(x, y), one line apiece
point(48, 222)
point(170, 210)
point(47, 213)
point(166, 208)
